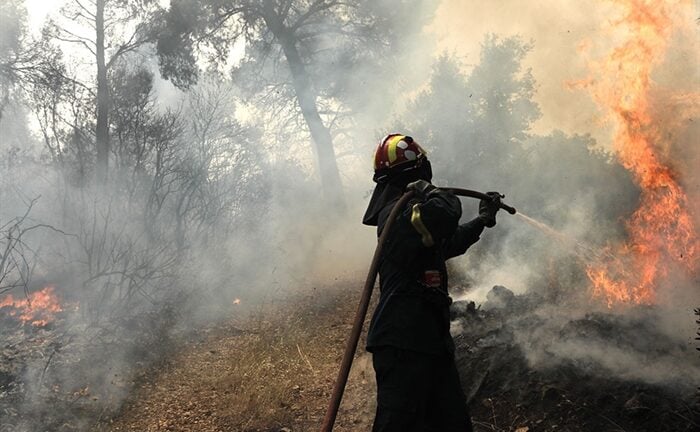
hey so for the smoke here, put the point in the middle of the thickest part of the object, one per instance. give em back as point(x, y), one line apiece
point(557, 30)
point(239, 214)
point(629, 347)
point(555, 177)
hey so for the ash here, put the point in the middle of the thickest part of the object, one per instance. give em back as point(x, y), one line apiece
point(525, 364)
point(66, 376)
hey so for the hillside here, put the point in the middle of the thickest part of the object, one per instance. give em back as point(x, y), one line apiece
point(273, 371)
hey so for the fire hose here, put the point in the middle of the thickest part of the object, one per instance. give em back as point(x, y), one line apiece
point(351, 346)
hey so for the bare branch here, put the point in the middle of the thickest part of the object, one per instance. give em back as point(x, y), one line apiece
point(16, 255)
point(316, 7)
point(86, 10)
point(82, 42)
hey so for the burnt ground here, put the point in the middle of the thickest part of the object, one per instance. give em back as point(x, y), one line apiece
point(271, 366)
point(574, 394)
point(275, 374)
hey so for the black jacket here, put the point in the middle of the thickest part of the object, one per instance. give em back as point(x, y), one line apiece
point(413, 310)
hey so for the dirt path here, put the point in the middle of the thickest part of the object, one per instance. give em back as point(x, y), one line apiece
point(272, 371)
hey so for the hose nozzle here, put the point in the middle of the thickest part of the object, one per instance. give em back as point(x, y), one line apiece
point(481, 195)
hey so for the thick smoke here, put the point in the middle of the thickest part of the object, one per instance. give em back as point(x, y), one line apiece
point(238, 213)
point(557, 181)
point(212, 196)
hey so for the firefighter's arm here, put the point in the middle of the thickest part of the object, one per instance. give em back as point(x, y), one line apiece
point(435, 214)
point(466, 235)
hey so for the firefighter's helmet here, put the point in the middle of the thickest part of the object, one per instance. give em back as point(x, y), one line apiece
point(395, 154)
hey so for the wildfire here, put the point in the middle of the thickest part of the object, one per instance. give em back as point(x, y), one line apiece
point(661, 231)
point(237, 301)
point(38, 309)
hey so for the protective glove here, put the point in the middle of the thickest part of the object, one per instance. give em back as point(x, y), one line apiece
point(489, 208)
point(421, 189)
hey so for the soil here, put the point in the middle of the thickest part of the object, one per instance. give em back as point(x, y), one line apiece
point(274, 370)
point(508, 393)
point(271, 371)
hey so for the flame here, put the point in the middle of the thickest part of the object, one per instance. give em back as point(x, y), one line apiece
point(38, 309)
point(237, 301)
point(661, 231)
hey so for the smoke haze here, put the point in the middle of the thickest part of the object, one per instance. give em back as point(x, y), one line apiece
point(215, 193)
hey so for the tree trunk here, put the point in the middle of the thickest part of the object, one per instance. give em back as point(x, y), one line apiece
point(323, 142)
point(102, 129)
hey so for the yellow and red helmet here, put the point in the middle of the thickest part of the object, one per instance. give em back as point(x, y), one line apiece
point(397, 153)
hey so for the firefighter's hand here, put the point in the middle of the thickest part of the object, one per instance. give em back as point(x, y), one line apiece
point(420, 188)
point(489, 208)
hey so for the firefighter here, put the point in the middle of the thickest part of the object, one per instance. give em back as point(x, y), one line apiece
point(418, 386)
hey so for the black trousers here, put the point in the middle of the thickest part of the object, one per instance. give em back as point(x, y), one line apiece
point(418, 392)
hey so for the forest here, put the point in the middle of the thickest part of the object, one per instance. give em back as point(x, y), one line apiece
point(163, 161)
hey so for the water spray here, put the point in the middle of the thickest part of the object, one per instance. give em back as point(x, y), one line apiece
point(583, 251)
point(351, 347)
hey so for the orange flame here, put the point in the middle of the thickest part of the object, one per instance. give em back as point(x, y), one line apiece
point(38, 309)
point(661, 231)
point(237, 301)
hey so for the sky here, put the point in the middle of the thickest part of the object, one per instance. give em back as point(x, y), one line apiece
point(39, 9)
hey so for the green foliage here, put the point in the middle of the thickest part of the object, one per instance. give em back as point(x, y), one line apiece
point(485, 116)
point(477, 128)
point(175, 44)
point(557, 172)
point(24, 61)
point(442, 114)
point(503, 92)
point(345, 47)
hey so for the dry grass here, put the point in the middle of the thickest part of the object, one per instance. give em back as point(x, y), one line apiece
point(274, 370)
